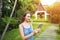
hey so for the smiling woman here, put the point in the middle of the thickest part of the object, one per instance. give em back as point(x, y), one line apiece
point(47, 2)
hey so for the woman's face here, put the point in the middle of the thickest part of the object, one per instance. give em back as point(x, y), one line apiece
point(27, 17)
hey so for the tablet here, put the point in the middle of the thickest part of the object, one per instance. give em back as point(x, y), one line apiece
point(40, 25)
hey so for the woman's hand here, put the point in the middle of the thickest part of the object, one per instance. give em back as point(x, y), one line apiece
point(36, 30)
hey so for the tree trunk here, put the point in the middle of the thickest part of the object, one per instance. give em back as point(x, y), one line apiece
point(9, 20)
point(0, 8)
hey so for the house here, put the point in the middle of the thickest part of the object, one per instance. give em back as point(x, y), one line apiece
point(40, 9)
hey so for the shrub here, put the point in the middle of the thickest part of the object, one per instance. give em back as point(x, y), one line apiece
point(58, 31)
point(3, 22)
point(12, 35)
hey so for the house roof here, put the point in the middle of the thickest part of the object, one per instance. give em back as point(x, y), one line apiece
point(40, 7)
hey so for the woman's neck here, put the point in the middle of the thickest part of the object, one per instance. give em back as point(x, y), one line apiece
point(26, 22)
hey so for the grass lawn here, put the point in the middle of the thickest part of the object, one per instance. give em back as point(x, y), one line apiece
point(44, 27)
point(58, 34)
point(58, 37)
point(14, 34)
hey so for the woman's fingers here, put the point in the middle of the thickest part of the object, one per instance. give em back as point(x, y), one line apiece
point(36, 31)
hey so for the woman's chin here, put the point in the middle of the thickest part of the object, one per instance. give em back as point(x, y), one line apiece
point(28, 21)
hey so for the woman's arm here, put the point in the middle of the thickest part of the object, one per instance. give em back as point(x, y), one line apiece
point(22, 33)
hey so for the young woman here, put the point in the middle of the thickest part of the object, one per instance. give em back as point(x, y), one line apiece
point(25, 28)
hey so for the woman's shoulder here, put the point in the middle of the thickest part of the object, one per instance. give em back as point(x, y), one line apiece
point(20, 24)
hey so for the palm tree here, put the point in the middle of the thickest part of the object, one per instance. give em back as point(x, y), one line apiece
point(9, 20)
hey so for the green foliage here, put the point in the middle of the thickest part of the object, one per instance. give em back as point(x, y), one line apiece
point(3, 22)
point(12, 35)
point(58, 30)
point(21, 7)
point(25, 5)
point(32, 18)
point(58, 33)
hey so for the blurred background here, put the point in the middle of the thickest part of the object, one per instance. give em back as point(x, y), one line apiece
point(48, 15)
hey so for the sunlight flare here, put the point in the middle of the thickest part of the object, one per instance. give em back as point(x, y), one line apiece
point(47, 2)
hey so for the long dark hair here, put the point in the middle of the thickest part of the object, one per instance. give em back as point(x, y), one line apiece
point(23, 16)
